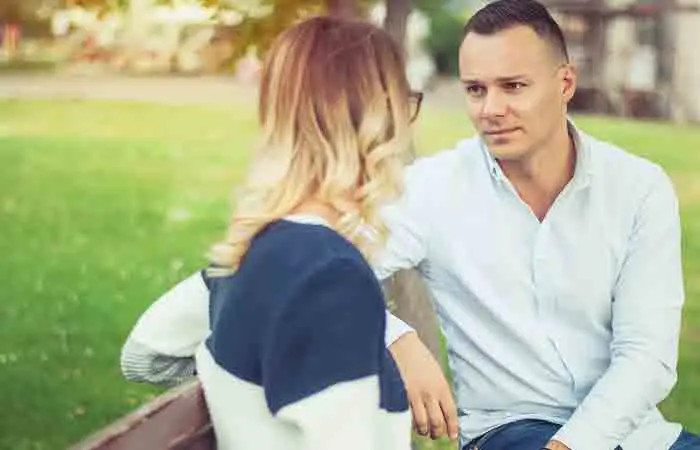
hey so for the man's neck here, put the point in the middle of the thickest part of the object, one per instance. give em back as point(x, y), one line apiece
point(540, 178)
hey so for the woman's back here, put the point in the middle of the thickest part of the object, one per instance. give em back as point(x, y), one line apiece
point(296, 356)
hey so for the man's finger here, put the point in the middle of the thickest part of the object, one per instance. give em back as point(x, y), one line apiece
point(449, 410)
point(435, 418)
point(420, 417)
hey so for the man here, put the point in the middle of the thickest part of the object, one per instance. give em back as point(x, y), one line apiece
point(553, 259)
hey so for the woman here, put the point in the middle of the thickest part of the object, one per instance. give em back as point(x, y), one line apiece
point(287, 325)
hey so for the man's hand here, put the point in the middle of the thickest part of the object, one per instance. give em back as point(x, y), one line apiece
point(434, 410)
point(556, 445)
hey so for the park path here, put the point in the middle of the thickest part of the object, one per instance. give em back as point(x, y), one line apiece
point(445, 93)
point(177, 90)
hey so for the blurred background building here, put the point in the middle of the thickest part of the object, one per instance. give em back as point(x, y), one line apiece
point(635, 58)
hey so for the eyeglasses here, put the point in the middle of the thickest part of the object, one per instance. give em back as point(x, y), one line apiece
point(415, 99)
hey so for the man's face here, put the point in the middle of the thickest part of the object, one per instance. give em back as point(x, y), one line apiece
point(517, 89)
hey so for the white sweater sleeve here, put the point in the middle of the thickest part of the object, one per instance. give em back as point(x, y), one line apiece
point(160, 348)
point(342, 417)
point(395, 328)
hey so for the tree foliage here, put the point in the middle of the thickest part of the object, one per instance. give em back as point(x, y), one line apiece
point(254, 29)
point(260, 31)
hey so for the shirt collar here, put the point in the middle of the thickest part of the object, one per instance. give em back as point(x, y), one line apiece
point(584, 168)
point(582, 172)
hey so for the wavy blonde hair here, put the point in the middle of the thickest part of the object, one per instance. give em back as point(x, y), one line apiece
point(335, 115)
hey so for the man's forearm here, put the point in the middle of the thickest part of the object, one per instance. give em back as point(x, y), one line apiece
point(617, 404)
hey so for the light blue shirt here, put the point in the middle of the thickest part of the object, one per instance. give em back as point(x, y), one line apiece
point(574, 319)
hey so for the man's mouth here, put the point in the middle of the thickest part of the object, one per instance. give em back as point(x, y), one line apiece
point(499, 132)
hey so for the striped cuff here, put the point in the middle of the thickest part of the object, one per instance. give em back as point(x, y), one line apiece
point(141, 364)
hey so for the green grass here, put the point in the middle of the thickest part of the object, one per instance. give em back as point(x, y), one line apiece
point(105, 205)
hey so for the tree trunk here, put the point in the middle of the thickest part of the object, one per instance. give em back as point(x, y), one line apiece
point(396, 18)
point(343, 8)
point(410, 300)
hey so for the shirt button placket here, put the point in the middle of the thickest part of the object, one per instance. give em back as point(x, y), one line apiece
point(545, 292)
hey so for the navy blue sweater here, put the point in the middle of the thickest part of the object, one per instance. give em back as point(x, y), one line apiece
point(302, 319)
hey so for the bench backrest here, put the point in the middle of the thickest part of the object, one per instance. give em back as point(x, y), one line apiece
point(176, 420)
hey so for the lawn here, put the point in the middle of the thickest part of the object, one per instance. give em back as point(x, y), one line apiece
point(105, 205)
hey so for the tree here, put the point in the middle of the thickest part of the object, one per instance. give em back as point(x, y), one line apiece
point(397, 12)
point(253, 30)
point(343, 8)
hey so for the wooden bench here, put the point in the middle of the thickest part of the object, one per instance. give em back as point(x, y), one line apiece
point(176, 420)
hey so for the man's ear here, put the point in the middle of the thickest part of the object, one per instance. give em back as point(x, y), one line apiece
point(568, 82)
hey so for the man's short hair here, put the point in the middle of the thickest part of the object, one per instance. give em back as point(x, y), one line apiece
point(503, 14)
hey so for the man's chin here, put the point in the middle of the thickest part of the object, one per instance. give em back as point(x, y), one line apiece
point(504, 150)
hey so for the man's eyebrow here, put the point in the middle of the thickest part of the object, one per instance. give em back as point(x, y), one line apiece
point(470, 81)
point(506, 79)
point(511, 78)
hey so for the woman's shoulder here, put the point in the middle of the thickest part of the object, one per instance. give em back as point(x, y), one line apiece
point(299, 247)
point(289, 260)
point(312, 236)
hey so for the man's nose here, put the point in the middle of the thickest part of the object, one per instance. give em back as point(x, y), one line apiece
point(494, 104)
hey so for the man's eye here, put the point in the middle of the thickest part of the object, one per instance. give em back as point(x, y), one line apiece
point(475, 90)
point(515, 85)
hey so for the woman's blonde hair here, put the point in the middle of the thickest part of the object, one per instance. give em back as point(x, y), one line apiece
point(335, 116)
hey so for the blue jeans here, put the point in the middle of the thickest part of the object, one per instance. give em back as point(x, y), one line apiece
point(534, 434)
point(687, 441)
